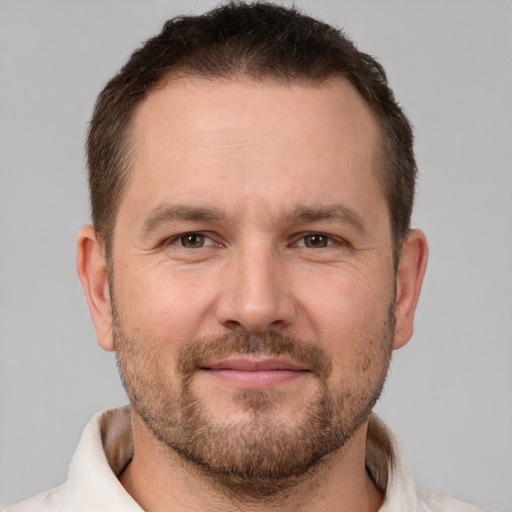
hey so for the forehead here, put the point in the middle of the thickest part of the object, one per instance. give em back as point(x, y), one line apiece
point(196, 106)
point(222, 141)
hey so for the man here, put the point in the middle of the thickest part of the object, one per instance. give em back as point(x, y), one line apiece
point(253, 267)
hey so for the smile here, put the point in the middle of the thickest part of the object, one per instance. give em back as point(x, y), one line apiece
point(255, 374)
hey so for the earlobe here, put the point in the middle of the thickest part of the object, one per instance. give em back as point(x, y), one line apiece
point(92, 271)
point(411, 269)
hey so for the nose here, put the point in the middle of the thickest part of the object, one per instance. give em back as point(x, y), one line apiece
point(256, 295)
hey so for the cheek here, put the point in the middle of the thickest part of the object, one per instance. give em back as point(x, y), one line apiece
point(349, 311)
point(164, 303)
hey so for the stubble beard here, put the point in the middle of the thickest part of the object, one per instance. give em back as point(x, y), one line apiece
point(262, 456)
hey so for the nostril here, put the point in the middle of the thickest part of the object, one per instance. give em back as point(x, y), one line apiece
point(234, 325)
point(254, 308)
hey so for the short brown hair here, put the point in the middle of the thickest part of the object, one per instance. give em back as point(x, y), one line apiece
point(257, 41)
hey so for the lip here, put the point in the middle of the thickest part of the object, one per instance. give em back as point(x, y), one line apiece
point(255, 374)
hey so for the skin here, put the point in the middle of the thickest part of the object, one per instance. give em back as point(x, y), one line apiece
point(259, 154)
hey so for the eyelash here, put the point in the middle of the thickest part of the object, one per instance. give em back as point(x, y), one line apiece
point(179, 240)
point(175, 240)
point(329, 240)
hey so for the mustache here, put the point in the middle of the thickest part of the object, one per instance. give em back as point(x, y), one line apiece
point(198, 353)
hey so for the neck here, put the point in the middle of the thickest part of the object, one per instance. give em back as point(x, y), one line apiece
point(159, 479)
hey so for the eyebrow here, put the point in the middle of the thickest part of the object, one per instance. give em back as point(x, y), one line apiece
point(301, 214)
point(163, 214)
point(336, 212)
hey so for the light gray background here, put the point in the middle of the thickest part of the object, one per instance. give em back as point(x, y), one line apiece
point(449, 394)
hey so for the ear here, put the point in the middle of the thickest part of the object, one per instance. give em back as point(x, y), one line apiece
point(411, 269)
point(92, 270)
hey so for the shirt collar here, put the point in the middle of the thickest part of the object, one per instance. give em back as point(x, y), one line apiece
point(106, 448)
point(387, 465)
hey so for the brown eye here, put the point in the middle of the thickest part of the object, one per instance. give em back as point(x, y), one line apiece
point(316, 240)
point(192, 240)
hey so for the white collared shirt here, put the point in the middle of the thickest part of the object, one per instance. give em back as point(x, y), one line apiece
point(106, 447)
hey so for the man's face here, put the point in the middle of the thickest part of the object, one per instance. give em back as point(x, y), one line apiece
point(253, 284)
